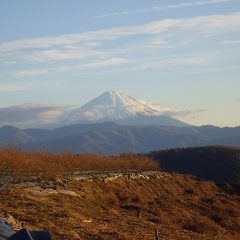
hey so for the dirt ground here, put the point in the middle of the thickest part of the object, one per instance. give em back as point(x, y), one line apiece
point(175, 206)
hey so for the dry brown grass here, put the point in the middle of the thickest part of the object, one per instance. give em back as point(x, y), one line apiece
point(180, 207)
point(17, 161)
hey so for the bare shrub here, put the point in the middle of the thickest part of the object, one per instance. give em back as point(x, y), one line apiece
point(17, 161)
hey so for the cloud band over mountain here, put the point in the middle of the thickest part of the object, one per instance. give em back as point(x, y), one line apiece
point(30, 115)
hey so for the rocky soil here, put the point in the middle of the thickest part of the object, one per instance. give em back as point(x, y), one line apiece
point(119, 206)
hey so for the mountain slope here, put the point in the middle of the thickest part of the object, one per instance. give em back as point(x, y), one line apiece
point(121, 108)
point(181, 207)
point(111, 138)
point(14, 135)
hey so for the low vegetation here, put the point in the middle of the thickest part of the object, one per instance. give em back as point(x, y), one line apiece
point(180, 207)
point(17, 161)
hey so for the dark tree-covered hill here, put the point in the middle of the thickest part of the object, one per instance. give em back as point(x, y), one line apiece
point(218, 163)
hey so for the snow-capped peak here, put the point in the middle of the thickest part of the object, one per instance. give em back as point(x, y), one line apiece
point(112, 98)
point(116, 106)
point(110, 106)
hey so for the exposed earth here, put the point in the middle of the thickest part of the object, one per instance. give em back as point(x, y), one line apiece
point(123, 206)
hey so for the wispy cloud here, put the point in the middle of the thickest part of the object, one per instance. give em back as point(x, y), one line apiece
point(42, 115)
point(231, 42)
point(25, 114)
point(92, 50)
point(160, 44)
point(194, 59)
point(13, 87)
point(181, 60)
point(195, 62)
point(68, 68)
point(166, 7)
point(59, 54)
point(104, 63)
point(9, 63)
point(91, 65)
point(186, 113)
point(223, 23)
point(32, 73)
point(138, 64)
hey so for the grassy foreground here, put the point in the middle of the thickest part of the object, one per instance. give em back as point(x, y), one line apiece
point(17, 161)
point(180, 207)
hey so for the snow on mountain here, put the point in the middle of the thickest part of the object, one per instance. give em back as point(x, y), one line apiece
point(119, 107)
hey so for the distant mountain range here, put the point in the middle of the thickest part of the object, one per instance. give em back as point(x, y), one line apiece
point(114, 123)
point(111, 138)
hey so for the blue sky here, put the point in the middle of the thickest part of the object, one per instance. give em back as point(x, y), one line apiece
point(184, 55)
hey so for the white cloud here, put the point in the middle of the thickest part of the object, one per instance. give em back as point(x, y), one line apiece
point(182, 115)
point(160, 44)
point(231, 42)
point(92, 48)
point(104, 63)
point(30, 114)
point(166, 7)
point(187, 60)
point(57, 54)
point(205, 59)
point(156, 107)
point(180, 60)
point(32, 73)
point(67, 68)
point(43, 115)
point(207, 24)
point(13, 87)
point(9, 63)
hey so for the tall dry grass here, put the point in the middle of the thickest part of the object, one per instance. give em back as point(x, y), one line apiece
point(17, 161)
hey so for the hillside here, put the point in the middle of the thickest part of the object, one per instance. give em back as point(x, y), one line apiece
point(179, 207)
point(111, 138)
point(18, 162)
point(217, 163)
point(86, 196)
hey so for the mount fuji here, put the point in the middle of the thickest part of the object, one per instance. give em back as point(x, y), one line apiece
point(119, 107)
point(115, 123)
